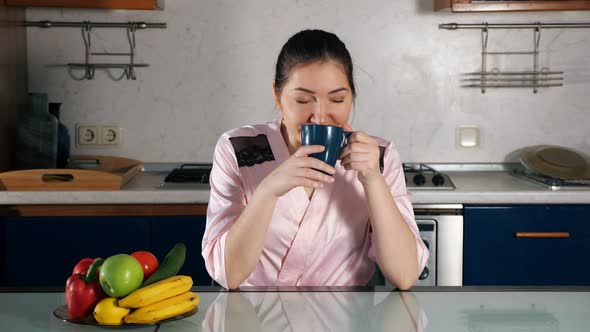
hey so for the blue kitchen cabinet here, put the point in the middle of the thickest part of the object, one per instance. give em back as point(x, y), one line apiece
point(166, 231)
point(42, 251)
point(494, 255)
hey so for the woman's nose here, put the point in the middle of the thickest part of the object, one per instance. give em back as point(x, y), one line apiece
point(321, 115)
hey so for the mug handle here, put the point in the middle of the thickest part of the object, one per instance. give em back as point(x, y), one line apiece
point(345, 135)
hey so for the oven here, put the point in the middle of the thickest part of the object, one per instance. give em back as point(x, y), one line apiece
point(441, 229)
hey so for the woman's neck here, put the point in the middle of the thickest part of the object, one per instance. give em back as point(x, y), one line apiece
point(291, 142)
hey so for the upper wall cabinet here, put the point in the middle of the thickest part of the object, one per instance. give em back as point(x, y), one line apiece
point(107, 4)
point(461, 6)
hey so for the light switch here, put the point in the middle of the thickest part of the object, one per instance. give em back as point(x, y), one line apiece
point(467, 137)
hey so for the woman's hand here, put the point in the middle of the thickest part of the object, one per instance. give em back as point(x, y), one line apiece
point(298, 170)
point(361, 154)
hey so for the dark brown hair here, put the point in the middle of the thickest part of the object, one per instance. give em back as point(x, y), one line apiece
point(310, 46)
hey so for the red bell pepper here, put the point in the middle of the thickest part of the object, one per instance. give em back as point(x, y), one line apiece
point(83, 266)
point(84, 291)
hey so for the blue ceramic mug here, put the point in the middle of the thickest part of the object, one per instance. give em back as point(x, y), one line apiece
point(333, 138)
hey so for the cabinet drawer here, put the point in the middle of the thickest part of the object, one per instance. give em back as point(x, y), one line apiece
point(187, 229)
point(42, 251)
point(494, 253)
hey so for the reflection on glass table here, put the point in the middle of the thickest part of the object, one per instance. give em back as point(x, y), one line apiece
point(319, 311)
point(531, 318)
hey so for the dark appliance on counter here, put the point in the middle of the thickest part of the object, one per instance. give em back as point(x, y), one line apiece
point(421, 176)
point(188, 176)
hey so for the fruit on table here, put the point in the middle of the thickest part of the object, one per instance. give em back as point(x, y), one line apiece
point(120, 275)
point(83, 292)
point(148, 262)
point(83, 265)
point(108, 312)
point(157, 292)
point(165, 309)
point(170, 265)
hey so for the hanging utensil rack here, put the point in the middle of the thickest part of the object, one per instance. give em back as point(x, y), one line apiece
point(495, 78)
point(89, 66)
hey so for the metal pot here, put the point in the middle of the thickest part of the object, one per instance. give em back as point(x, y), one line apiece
point(557, 162)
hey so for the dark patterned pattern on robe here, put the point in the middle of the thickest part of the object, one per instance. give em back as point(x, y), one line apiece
point(381, 155)
point(252, 150)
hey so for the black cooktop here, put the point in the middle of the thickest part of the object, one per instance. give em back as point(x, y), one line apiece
point(190, 173)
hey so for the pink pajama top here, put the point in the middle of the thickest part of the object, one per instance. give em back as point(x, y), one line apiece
point(325, 241)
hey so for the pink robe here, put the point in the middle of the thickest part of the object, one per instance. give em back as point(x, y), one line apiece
point(325, 241)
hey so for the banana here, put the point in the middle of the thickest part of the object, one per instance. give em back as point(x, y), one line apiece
point(165, 309)
point(157, 292)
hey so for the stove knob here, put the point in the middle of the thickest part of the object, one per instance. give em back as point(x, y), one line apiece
point(438, 180)
point(424, 273)
point(419, 180)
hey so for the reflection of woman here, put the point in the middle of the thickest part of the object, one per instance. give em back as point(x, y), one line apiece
point(274, 219)
point(315, 311)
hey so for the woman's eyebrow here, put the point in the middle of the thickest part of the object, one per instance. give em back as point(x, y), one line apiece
point(337, 90)
point(313, 92)
point(304, 90)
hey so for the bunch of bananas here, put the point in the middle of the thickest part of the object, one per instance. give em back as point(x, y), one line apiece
point(161, 300)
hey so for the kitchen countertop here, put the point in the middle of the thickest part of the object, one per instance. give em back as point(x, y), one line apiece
point(471, 188)
point(340, 309)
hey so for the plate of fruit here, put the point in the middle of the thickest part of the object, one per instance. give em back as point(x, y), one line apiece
point(129, 290)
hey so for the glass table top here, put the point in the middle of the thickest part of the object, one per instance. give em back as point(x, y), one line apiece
point(340, 310)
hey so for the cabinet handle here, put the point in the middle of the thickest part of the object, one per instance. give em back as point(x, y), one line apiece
point(542, 235)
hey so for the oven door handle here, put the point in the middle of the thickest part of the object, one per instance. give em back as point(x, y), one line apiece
point(542, 235)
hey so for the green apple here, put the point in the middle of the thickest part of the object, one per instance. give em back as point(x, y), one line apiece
point(120, 275)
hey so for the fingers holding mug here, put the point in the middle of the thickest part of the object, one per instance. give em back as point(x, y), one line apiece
point(306, 150)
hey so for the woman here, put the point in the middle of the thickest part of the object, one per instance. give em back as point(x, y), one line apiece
point(275, 219)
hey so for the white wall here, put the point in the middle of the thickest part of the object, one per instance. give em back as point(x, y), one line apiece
point(211, 70)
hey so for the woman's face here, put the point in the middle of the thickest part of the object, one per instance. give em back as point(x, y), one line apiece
point(314, 93)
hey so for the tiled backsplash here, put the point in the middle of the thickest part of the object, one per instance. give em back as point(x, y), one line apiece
point(211, 70)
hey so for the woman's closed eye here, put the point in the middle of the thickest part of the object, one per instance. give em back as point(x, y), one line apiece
point(304, 101)
point(338, 101)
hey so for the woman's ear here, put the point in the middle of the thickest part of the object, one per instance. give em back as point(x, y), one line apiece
point(275, 94)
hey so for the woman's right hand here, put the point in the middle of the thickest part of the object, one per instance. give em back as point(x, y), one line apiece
point(299, 170)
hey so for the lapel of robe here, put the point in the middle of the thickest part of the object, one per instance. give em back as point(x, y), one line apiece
point(309, 215)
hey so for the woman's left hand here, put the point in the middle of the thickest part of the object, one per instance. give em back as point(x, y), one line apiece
point(361, 154)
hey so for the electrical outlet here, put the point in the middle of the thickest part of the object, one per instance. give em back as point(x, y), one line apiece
point(98, 136)
point(86, 135)
point(111, 135)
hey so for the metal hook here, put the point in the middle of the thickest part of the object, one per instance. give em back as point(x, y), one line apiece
point(90, 72)
point(484, 36)
point(484, 50)
point(130, 70)
point(538, 35)
point(536, 41)
point(88, 69)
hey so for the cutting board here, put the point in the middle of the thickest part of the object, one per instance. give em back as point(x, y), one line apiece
point(83, 173)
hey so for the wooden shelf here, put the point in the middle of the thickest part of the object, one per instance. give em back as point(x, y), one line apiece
point(460, 6)
point(104, 4)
